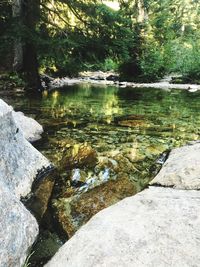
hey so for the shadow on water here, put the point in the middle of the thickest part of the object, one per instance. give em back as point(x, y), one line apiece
point(126, 126)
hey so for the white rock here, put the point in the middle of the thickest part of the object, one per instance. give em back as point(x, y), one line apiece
point(4, 108)
point(31, 129)
point(18, 230)
point(158, 227)
point(19, 164)
point(182, 168)
point(19, 160)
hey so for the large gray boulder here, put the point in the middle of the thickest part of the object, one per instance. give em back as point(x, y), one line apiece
point(18, 230)
point(20, 162)
point(30, 128)
point(182, 168)
point(158, 227)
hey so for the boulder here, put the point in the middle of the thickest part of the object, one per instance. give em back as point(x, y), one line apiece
point(18, 230)
point(31, 129)
point(20, 162)
point(182, 168)
point(157, 227)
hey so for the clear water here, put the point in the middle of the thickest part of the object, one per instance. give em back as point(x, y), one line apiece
point(142, 121)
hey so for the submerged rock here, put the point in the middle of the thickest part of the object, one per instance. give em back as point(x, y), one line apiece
point(79, 155)
point(158, 227)
point(18, 229)
point(72, 212)
point(30, 128)
point(39, 200)
point(182, 168)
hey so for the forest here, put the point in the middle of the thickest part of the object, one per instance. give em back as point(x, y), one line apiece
point(142, 40)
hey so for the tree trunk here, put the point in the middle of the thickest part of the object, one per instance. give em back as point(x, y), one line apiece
point(142, 14)
point(18, 47)
point(26, 12)
point(30, 63)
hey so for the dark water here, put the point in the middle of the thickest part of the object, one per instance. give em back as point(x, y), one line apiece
point(139, 124)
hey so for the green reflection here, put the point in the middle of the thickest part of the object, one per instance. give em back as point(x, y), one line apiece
point(137, 123)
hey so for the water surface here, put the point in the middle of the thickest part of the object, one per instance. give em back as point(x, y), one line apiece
point(146, 121)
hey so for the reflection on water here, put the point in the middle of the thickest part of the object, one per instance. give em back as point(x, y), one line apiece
point(140, 123)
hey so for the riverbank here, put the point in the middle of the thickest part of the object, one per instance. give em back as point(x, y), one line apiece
point(97, 78)
point(111, 78)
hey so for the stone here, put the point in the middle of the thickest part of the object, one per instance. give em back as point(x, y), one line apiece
point(157, 227)
point(79, 155)
point(72, 212)
point(20, 165)
point(20, 162)
point(40, 196)
point(133, 121)
point(4, 108)
point(31, 129)
point(18, 229)
point(182, 168)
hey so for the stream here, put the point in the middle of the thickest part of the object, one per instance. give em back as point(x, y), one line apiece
point(107, 143)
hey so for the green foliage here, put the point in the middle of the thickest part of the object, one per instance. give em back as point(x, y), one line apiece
point(16, 79)
point(5, 34)
point(152, 63)
point(183, 57)
point(105, 40)
point(149, 67)
point(143, 41)
point(26, 263)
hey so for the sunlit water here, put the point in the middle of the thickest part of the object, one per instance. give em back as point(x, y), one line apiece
point(138, 123)
point(148, 121)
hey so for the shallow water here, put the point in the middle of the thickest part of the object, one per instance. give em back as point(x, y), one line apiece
point(111, 118)
point(137, 123)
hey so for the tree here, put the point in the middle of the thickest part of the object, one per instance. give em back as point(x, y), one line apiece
point(26, 15)
point(66, 36)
